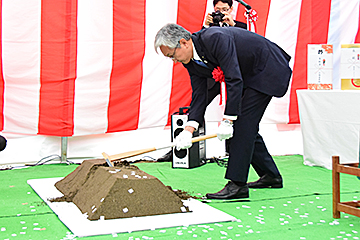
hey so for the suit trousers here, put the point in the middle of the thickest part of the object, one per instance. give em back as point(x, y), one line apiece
point(247, 146)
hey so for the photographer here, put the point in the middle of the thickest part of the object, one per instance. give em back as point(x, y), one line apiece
point(222, 15)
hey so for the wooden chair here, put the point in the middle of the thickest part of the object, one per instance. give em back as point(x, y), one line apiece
point(352, 207)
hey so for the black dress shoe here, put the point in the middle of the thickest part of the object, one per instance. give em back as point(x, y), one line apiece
point(230, 191)
point(267, 181)
point(168, 157)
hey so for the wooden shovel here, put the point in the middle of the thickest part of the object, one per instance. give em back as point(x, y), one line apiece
point(111, 158)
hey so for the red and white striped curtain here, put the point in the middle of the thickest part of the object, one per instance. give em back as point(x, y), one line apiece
point(81, 67)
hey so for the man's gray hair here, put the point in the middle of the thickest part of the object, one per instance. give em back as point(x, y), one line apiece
point(170, 35)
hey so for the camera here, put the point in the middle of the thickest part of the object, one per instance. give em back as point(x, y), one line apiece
point(217, 18)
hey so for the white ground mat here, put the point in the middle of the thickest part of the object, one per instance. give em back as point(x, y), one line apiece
point(80, 226)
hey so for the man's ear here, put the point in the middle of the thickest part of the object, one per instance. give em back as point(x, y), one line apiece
point(184, 42)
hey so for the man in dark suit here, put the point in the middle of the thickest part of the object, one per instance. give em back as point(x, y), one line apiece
point(255, 69)
point(225, 7)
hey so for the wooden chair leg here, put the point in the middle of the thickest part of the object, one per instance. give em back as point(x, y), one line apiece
point(335, 186)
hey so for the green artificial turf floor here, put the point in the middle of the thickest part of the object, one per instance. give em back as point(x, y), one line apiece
point(300, 210)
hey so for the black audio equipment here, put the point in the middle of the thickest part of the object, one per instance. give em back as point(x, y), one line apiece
point(191, 157)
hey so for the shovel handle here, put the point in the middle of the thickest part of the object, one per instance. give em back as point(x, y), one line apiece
point(201, 138)
point(112, 158)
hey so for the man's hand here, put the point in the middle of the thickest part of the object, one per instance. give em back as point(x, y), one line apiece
point(225, 130)
point(228, 19)
point(208, 20)
point(183, 140)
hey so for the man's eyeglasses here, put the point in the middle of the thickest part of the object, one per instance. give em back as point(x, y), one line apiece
point(172, 57)
point(222, 9)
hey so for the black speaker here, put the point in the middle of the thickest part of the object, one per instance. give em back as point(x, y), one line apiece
point(191, 157)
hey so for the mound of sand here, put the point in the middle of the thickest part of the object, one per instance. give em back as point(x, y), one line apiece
point(121, 191)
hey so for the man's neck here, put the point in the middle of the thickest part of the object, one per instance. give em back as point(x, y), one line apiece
point(195, 55)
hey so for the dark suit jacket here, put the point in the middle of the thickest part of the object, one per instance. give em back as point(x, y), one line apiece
point(247, 60)
point(214, 88)
point(240, 24)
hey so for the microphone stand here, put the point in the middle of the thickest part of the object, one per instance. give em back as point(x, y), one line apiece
point(248, 8)
point(247, 19)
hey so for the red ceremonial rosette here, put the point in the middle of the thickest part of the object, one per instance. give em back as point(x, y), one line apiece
point(219, 76)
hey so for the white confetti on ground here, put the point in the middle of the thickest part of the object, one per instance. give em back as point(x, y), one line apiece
point(223, 233)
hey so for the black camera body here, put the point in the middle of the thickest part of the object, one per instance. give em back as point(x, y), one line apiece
point(217, 18)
